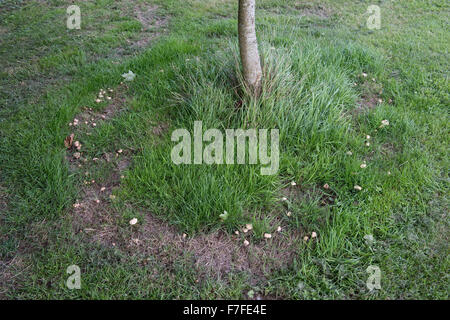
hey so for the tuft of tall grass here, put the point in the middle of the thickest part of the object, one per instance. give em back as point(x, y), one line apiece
point(306, 93)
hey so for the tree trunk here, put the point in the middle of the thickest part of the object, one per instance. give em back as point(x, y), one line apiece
point(248, 46)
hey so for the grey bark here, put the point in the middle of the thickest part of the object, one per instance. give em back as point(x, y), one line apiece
point(248, 46)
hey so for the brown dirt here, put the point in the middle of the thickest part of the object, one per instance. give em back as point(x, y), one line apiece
point(216, 253)
point(153, 24)
point(370, 97)
point(299, 194)
point(315, 10)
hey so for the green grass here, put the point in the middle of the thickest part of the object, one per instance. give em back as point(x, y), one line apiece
point(313, 54)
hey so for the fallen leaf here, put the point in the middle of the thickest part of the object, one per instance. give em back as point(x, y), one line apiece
point(129, 76)
point(369, 238)
point(69, 140)
point(224, 215)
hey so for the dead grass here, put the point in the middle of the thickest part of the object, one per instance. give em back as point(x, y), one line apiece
point(315, 10)
point(153, 24)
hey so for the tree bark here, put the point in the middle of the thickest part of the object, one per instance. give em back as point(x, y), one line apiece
point(248, 46)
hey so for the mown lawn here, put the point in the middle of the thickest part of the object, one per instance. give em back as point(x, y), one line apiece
point(330, 85)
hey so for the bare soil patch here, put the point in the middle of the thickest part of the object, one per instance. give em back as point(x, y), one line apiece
point(314, 10)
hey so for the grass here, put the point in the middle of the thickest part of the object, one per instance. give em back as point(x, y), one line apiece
point(315, 93)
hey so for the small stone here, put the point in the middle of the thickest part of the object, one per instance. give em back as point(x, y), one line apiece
point(98, 100)
point(77, 155)
point(313, 235)
point(279, 229)
point(245, 230)
point(133, 221)
point(249, 226)
point(119, 151)
point(349, 153)
point(289, 213)
point(236, 232)
point(102, 189)
point(368, 137)
point(363, 165)
point(356, 187)
point(326, 186)
point(284, 199)
point(364, 75)
point(305, 238)
point(293, 183)
point(267, 235)
point(246, 243)
point(367, 144)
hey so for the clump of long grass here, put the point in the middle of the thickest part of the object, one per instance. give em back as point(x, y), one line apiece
point(307, 88)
